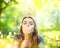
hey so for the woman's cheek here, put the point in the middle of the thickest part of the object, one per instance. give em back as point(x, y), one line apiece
point(32, 29)
point(27, 29)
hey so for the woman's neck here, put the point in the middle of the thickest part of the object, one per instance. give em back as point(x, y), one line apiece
point(28, 37)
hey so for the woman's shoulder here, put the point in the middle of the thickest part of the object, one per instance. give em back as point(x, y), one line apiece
point(16, 37)
point(40, 38)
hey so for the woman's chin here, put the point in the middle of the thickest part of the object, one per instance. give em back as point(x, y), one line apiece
point(27, 32)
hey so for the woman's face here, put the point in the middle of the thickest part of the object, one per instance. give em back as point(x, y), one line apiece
point(27, 26)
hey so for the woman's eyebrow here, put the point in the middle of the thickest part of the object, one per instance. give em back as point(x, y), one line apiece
point(31, 22)
point(24, 21)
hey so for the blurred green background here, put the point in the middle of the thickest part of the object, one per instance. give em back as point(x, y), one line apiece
point(46, 13)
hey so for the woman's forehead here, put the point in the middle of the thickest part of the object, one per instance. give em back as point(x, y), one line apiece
point(27, 19)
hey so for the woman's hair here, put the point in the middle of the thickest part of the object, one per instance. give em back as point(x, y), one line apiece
point(35, 28)
point(34, 38)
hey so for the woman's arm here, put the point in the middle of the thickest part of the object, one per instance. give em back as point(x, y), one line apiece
point(41, 41)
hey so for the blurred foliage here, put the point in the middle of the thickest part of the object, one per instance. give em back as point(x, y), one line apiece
point(46, 13)
point(51, 39)
point(5, 3)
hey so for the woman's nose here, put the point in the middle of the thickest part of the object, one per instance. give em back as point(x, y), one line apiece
point(27, 24)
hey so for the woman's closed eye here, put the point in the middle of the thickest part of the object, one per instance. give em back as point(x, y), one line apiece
point(24, 23)
point(31, 23)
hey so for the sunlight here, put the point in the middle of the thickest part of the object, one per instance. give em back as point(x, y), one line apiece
point(1, 35)
point(58, 43)
point(0, 32)
point(8, 46)
point(46, 13)
point(7, 0)
point(46, 46)
point(57, 38)
point(8, 36)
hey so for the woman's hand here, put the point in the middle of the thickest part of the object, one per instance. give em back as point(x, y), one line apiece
point(24, 44)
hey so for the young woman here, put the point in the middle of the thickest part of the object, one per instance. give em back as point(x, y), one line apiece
point(28, 36)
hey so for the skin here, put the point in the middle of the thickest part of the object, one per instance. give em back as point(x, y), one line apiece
point(28, 28)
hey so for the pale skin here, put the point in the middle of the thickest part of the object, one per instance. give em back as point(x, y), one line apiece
point(28, 28)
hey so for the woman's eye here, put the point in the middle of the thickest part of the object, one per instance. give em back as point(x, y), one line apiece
point(31, 23)
point(24, 23)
